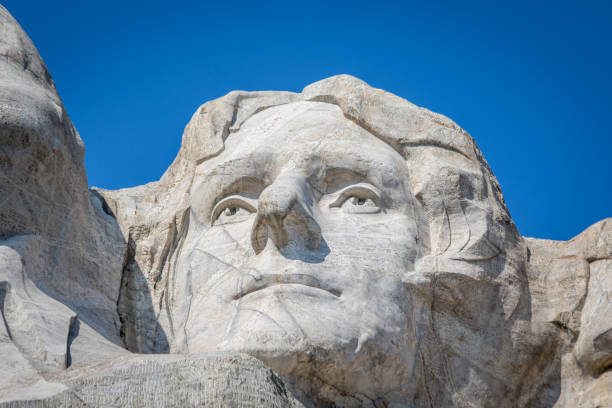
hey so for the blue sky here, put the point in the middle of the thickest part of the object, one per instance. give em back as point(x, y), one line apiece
point(530, 81)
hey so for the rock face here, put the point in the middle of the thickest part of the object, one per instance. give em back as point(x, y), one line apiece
point(213, 379)
point(354, 243)
point(60, 254)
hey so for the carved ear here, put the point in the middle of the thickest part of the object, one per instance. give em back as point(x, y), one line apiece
point(467, 226)
point(455, 197)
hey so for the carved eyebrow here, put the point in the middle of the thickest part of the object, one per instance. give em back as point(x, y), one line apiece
point(246, 185)
point(354, 167)
point(335, 177)
point(364, 190)
point(233, 200)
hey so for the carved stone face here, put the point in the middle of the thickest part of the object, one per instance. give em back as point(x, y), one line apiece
point(301, 231)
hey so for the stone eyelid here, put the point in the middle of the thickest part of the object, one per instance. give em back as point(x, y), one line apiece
point(248, 204)
point(359, 190)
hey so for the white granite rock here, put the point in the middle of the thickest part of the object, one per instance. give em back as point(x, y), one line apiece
point(356, 244)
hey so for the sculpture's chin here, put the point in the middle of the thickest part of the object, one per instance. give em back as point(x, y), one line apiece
point(286, 349)
point(319, 353)
point(338, 335)
point(342, 372)
point(285, 336)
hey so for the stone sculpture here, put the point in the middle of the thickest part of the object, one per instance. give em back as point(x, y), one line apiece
point(356, 245)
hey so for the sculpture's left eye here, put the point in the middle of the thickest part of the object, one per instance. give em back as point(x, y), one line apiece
point(361, 198)
point(360, 205)
point(232, 209)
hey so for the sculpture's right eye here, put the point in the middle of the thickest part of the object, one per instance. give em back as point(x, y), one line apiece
point(233, 209)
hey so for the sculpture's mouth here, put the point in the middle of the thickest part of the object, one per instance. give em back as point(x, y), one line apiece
point(259, 282)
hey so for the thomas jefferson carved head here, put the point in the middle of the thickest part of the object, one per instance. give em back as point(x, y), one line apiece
point(301, 232)
point(318, 226)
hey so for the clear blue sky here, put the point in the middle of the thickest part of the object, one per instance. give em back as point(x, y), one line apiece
point(531, 81)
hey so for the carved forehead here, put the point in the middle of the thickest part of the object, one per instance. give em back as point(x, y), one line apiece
point(291, 127)
point(293, 117)
point(301, 131)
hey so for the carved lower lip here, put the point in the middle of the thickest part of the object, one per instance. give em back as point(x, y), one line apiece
point(254, 284)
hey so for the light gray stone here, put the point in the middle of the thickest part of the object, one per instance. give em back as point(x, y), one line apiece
point(210, 380)
point(356, 244)
point(60, 254)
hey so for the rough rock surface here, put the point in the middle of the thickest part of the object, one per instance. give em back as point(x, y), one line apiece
point(60, 254)
point(210, 380)
point(356, 244)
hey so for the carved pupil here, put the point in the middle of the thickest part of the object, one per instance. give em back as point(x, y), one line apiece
point(359, 201)
point(230, 211)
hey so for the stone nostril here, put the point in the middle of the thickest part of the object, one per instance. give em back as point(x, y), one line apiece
point(269, 224)
point(259, 234)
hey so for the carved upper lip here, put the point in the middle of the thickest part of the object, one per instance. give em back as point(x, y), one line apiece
point(258, 282)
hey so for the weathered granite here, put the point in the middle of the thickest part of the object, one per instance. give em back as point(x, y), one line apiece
point(60, 254)
point(356, 244)
point(210, 380)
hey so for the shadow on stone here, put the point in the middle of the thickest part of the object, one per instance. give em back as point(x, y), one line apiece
point(140, 328)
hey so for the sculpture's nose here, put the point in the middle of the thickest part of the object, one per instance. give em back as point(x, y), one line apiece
point(285, 216)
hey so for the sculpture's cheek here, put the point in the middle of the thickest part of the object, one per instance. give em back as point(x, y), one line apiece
point(229, 243)
point(381, 242)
